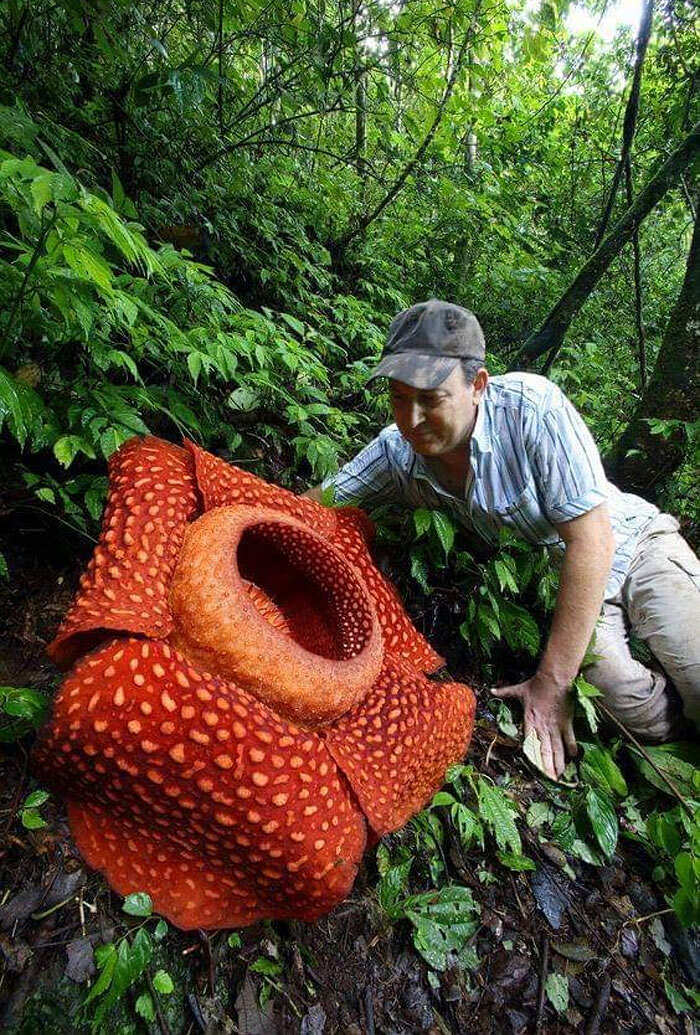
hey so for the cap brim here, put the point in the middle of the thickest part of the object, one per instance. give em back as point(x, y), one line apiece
point(415, 369)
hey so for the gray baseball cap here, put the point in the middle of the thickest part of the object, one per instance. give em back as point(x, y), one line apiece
point(426, 342)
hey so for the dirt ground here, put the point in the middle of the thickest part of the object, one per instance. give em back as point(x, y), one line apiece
point(352, 972)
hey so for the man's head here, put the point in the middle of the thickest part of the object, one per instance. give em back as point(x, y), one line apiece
point(434, 359)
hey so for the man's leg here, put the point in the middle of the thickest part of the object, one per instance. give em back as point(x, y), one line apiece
point(662, 598)
point(637, 696)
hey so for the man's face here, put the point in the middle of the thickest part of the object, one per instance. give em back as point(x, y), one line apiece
point(437, 420)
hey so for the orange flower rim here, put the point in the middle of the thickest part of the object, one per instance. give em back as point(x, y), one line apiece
point(247, 704)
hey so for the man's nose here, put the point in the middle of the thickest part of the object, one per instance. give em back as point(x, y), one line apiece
point(415, 415)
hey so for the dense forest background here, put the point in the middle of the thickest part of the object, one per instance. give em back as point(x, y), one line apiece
point(209, 214)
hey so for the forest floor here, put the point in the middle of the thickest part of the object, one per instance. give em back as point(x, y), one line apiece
point(608, 929)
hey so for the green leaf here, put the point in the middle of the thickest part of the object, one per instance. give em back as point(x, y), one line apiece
point(194, 365)
point(600, 769)
point(601, 813)
point(292, 322)
point(138, 903)
point(42, 191)
point(504, 720)
point(66, 449)
point(106, 959)
point(88, 266)
point(444, 921)
point(584, 694)
point(144, 1007)
point(467, 824)
point(520, 630)
point(23, 703)
point(442, 798)
point(35, 799)
point(445, 530)
point(160, 930)
point(496, 810)
point(516, 862)
point(505, 576)
point(538, 814)
point(668, 758)
point(392, 886)
point(557, 989)
point(234, 940)
point(162, 982)
point(682, 1002)
point(271, 968)
point(419, 571)
point(422, 520)
point(32, 820)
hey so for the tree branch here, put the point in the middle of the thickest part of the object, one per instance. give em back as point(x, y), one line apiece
point(630, 121)
point(393, 191)
point(553, 331)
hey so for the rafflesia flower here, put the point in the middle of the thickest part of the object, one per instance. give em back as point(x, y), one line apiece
point(247, 705)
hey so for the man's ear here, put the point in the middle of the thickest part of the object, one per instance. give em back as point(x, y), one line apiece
point(479, 383)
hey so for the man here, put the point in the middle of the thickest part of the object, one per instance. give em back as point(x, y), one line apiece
point(512, 451)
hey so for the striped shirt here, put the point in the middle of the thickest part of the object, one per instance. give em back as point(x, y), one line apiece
point(533, 464)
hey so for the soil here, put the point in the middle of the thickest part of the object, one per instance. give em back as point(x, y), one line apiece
point(351, 972)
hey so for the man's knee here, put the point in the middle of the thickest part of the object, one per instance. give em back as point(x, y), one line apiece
point(640, 699)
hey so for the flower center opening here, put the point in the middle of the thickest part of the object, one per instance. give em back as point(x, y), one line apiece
point(300, 586)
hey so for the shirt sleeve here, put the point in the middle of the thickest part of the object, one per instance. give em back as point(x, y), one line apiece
point(567, 466)
point(366, 480)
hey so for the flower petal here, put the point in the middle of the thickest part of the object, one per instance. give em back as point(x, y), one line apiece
point(400, 635)
point(151, 498)
point(224, 485)
point(396, 745)
point(175, 776)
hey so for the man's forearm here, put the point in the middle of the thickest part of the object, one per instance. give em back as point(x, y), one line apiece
point(583, 578)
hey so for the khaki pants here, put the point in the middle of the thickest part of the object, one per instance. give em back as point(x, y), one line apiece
point(659, 601)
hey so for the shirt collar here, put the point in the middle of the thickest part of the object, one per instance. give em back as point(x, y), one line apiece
point(481, 435)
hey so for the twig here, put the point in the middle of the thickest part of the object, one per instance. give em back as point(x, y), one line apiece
point(599, 1007)
point(544, 964)
point(210, 959)
point(645, 754)
point(53, 909)
point(517, 896)
point(369, 1010)
point(649, 916)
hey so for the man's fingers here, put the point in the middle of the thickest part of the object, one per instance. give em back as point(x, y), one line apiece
point(545, 748)
point(508, 691)
point(558, 754)
point(570, 740)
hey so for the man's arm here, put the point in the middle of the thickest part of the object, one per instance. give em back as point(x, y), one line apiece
point(547, 703)
point(315, 494)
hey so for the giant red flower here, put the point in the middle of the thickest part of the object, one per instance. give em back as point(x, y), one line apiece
point(247, 703)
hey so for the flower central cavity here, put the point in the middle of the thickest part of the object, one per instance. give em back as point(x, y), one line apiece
point(304, 588)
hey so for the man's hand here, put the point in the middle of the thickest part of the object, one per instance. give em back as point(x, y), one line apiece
point(548, 710)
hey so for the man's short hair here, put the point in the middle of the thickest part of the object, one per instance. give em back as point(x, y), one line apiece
point(470, 368)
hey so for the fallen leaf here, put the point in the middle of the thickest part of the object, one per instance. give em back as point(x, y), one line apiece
point(81, 961)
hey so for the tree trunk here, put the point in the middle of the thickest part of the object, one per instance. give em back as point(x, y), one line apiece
point(642, 461)
point(630, 121)
point(637, 274)
point(553, 331)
